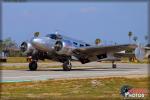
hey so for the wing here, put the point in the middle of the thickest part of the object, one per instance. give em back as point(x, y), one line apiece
point(94, 52)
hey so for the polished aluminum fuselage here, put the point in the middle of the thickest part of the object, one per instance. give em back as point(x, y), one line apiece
point(43, 44)
point(58, 47)
point(46, 44)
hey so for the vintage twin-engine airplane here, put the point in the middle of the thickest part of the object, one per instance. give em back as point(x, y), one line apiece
point(64, 49)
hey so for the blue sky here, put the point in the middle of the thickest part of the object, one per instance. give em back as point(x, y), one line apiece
point(109, 21)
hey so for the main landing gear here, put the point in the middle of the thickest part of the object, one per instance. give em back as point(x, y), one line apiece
point(114, 65)
point(67, 65)
point(33, 62)
point(33, 65)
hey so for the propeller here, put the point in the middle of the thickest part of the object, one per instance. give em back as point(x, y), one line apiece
point(58, 46)
point(23, 46)
point(140, 52)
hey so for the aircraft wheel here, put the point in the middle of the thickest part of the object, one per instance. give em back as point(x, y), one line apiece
point(33, 66)
point(114, 66)
point(67, 66)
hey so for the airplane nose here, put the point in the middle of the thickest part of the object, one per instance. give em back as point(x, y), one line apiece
point(36, 41)
point(39, 43)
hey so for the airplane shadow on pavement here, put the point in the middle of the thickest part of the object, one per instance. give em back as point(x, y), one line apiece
point(87, 69)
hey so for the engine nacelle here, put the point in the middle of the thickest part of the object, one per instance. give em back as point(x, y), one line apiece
point(63, 47)
point(26, 48)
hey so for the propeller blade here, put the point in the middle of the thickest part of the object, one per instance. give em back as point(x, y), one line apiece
point(58, 46)
point(23, 46)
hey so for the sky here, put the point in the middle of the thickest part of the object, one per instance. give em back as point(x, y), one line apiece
point(86, 21)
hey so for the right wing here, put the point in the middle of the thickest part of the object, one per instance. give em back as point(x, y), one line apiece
point(91, 52)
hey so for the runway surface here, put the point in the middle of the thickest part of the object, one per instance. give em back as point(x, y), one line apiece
point(94, 69)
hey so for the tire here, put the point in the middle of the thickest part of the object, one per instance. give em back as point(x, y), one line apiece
point(33, 66)
point(67, 66)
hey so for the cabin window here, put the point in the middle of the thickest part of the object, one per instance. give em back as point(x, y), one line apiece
point(81, 45)
point(87, 45)
point(54, 36)
point(75, 43)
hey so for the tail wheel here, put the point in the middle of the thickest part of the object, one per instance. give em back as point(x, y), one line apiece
point(33, 66)
point(114, 66)
point(67, 66)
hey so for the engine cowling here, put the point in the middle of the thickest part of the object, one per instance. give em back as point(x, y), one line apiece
point(63, 47)
point(26, 48)
point(140, 53)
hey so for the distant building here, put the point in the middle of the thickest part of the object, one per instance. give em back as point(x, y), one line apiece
point(3, 57)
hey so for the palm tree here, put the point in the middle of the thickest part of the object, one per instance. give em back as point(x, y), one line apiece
point(130, 34)
point(97, 41)
point(135, 38)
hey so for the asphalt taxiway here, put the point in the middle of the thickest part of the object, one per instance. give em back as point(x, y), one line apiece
point(94, 69)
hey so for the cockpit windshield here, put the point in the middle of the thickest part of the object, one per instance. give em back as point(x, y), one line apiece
point(54, 36)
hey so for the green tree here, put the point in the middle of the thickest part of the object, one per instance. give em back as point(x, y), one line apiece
point(9, 46)
point(97, 41)
point(8, 43)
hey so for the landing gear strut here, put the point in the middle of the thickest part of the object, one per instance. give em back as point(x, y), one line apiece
point(33, 63)
point(67, 65)
point(114, 65)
